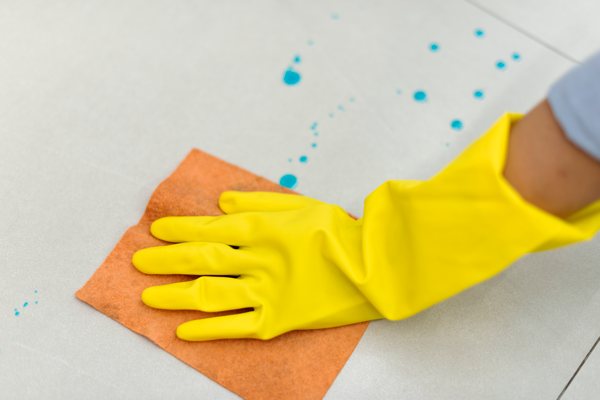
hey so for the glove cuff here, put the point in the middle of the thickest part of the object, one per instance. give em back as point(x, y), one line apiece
point(426, 241)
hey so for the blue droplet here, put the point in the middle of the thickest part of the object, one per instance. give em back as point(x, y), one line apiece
point(335, 16)
point(297, 59)
point(501, 65)
point(341, 107)
point(479, 32)
point(434, 47)
point(289, 181)
point(17, 313)
point(289, 160)
point(516, 56)
point(479, 94)
point(25, 304)
point(456, 124)
point(291, 77)
point(313, 145)
point(303, 159)
point(420, 96)
point(314, 125)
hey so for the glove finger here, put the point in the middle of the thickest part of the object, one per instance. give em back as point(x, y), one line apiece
point(236, 202)
point(236, 326)
point(194, 258)
point(237, 229)
point(210, 294)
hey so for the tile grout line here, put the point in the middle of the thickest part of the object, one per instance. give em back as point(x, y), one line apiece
point(578, 369)
point(523, 31)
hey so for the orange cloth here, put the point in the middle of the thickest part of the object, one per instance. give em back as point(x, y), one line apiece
point(300, 364)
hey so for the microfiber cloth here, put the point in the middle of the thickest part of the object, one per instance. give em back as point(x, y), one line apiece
point(300, 364)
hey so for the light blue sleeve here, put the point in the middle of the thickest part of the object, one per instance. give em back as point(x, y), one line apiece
point(575, 102)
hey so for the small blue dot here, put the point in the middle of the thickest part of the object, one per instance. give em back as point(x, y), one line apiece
point(314, 125)
point(420, 96)
point(36, 302)
point(434, 47)
point(351, 99)
point(479, 32)
point(17, 313)
point(25, 304)
point(341, 107)
point(456, 124)
point(297, 59)
point(310, 42)
point(479, 94)
point(289, 160)
point(315, 133)
point(398, 91)
point(291, 77)
point(35, 291)
point(335, 16)
point(289, 181)
point(500, 65)
point(313, 145)
point(516, 56)
point(331, 115)
point(303, 159)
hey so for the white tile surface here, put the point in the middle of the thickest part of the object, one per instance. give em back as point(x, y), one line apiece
point(571, 28)
point(100, 101)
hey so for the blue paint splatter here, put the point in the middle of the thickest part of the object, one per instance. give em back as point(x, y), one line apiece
point(335, 16)
point(17, 313)
point(291, 77)
point(289, 181)
point(479, 94)
point(297, 59)
point(303, 159)
point(479, 32)
point(456, 124)
point(314, 125)
point(313, 145)
point(434, 47)
point(516, 56)
point(25, 304)
point(501, 65)
point(420, 96)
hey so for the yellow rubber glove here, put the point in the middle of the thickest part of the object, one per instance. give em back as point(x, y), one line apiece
point(304, 264)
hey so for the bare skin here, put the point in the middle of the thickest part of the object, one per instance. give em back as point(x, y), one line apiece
point(546, 168)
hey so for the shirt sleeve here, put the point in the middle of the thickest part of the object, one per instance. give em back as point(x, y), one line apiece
point(575, 102)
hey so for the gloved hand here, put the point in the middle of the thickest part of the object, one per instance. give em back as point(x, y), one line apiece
point(288, 257)
point(304, 264)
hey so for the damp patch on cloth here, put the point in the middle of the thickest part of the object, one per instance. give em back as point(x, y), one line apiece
point(300, 364)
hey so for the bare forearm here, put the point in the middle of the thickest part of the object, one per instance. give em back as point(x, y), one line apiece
point(546, 168)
